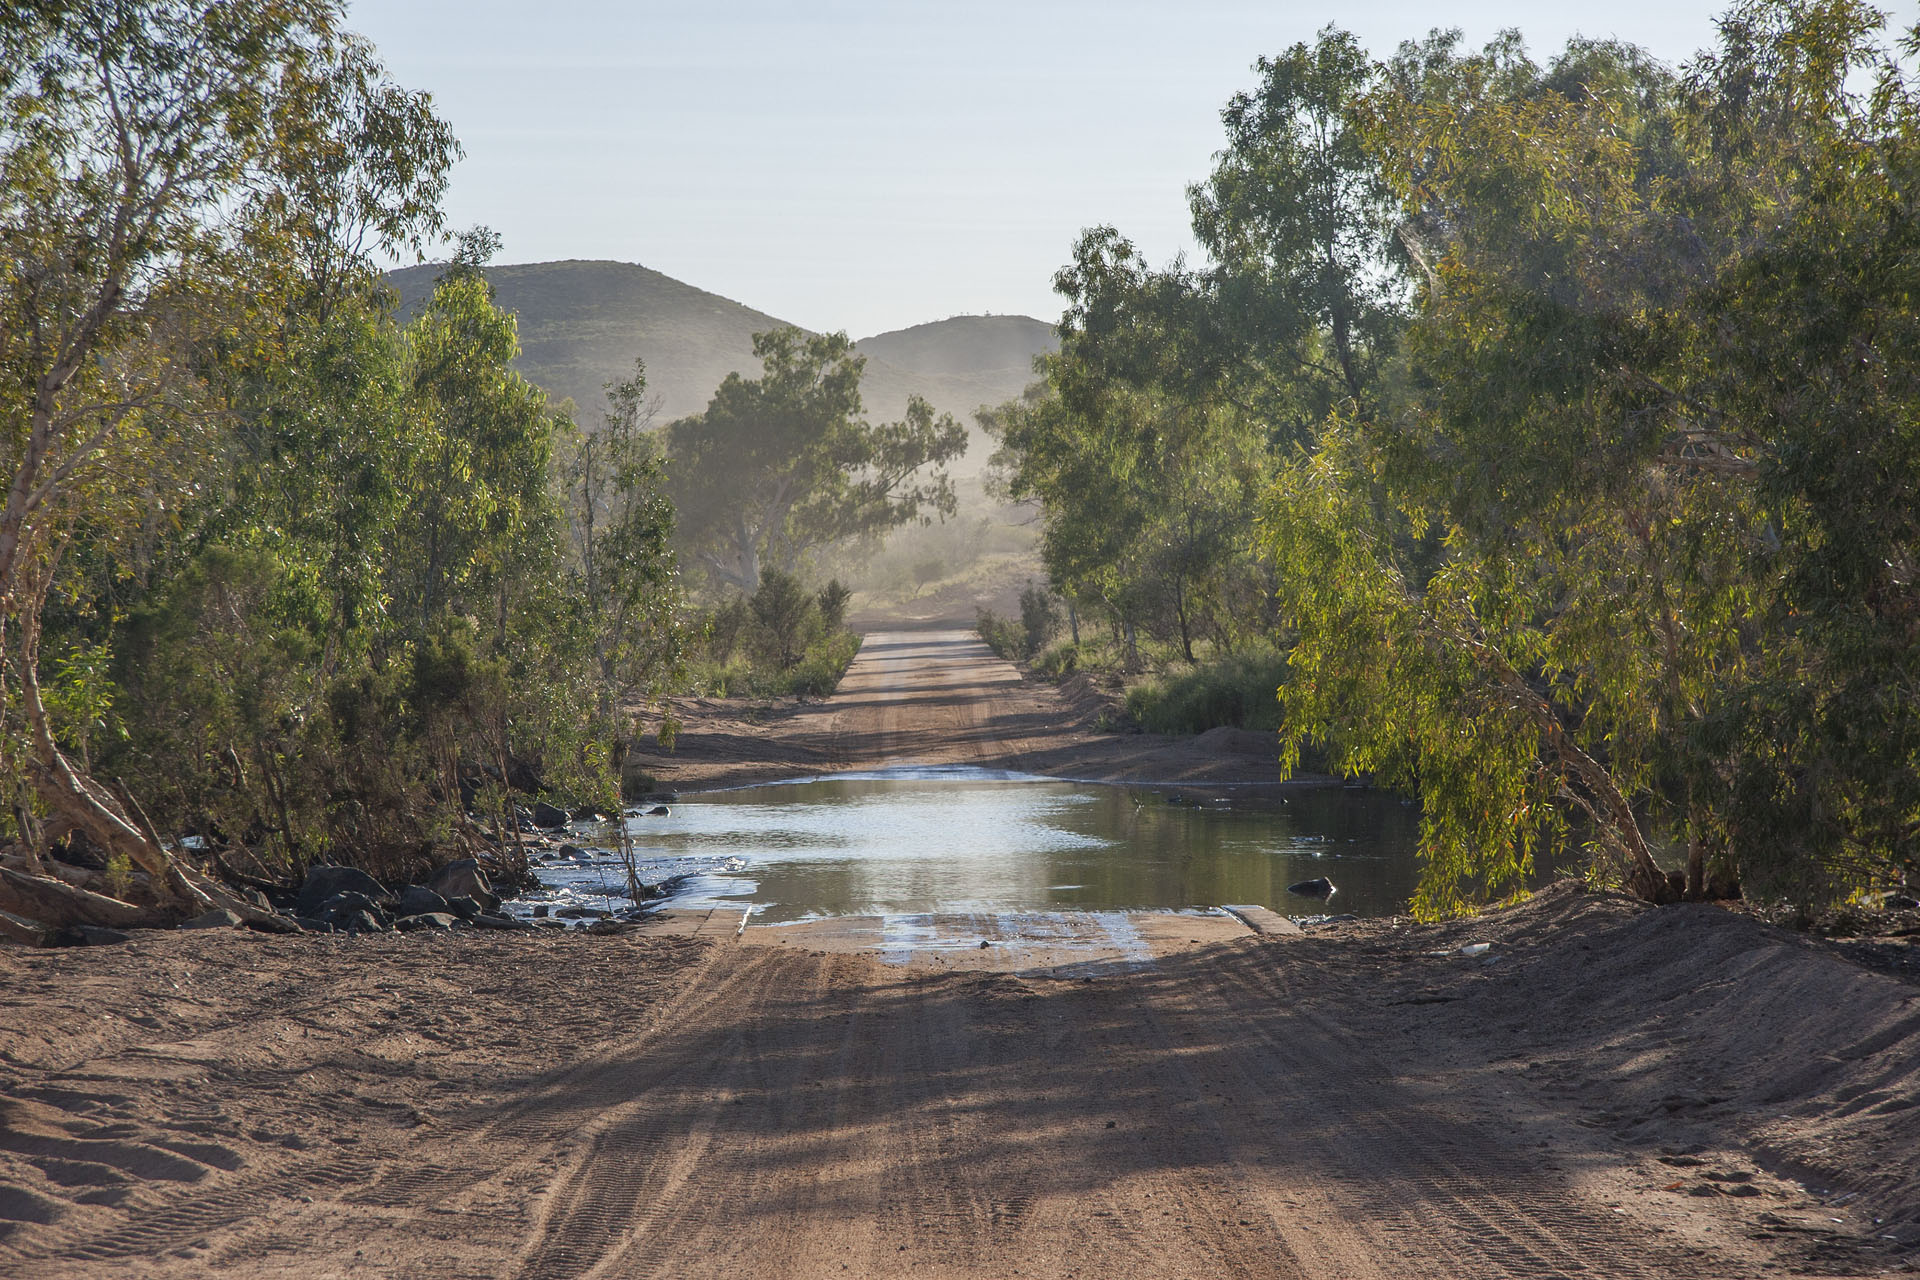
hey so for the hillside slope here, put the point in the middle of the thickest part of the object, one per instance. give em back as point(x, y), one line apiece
point(582, 324)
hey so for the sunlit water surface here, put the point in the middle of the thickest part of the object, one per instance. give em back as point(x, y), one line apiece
point(959, 840)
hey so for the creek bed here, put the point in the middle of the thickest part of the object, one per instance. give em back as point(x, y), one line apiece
point(918, 840)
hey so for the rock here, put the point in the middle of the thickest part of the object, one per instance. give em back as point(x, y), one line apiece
point(463, 879)
point(324, 882)
point(314, 924)
point(424, 920)
point(362, 922)
point(1902, 902)
point(572, 851)
point(658, 811)
point(418, 900)
point(603, 928)
point(28, 933)
point(589, 815)
point(549, 818)
point(487, 920)
point(541, 911)
point(218, 918)
point(1320, 887)
point(341, 905)
point(465, 908)
point(94, 935)
point(582, 913)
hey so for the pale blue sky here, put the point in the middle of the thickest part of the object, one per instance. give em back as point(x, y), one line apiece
point(860, 165)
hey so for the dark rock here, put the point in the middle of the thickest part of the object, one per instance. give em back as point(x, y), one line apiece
point(424, 920)
point(604, 928)
point(218, 918)
point(1316, 888)
point(541, 911)
point(271, 922)
point(549, 818)
point(582, 913)
point(572, 851)
point(28, 933)
point(341, 905)
point(657, 811)
point(589, 815)
point(313, 924)
point(1902, 902)
point(463, 879)
point(418, 900)
point(324, 882)
point(465, 908)
point(487, 920)
point(362, 922)
point(94, 935)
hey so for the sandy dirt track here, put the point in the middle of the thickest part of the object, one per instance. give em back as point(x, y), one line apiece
point(1608, 1090)
point(940, 697)
point(1325, 1106)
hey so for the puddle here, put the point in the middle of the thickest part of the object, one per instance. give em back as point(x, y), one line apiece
point(908, 843)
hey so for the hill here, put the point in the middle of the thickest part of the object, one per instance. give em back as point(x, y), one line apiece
point(582, 324)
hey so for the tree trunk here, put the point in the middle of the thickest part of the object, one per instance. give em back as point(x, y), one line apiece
point(55, 902)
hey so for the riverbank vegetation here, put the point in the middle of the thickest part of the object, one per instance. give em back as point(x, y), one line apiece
point(282, 577)
point(782, 641)
point(1560, 421)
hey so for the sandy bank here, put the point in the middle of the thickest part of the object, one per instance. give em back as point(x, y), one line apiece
point(1608, 1090)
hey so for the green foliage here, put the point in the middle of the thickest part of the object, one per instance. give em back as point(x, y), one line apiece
point(833, 600)
point(782, 641)
point(1005, 637)
point(1060, 661)
point(784, 464)
point(785, 616)
point(1236, 691)
point(1577, 405)
point(1039, 617)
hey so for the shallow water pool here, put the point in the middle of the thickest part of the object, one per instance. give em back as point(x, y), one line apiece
point(959, 840)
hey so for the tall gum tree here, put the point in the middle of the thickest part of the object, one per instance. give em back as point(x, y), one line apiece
point(785, 463)
point(151, 152)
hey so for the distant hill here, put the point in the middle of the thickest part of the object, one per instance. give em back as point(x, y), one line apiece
point(958, 364)
point(582, 324)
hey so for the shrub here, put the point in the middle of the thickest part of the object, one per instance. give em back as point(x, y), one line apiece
point(1003, 637)
point(833, 605)
point(1061, 660)
point(1238, 691)
point(1039, 617)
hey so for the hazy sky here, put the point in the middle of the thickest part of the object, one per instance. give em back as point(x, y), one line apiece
point(871, 164)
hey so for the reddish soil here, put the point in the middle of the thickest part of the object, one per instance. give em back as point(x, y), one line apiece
point(940, 697)
point(1607, 1090)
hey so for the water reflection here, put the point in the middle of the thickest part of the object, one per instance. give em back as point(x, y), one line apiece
point(956, 841)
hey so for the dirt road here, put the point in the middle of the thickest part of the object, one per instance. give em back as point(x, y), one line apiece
point(1369, 1105)
point(1601, 1089)
point(940, 697)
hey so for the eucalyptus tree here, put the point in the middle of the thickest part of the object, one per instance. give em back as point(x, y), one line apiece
point(156, 160)
point(1298, 221)
point(786, 463)
point(1659, 409)
point(622, 523)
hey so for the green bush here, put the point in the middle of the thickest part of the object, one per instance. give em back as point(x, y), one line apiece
point(1039, 617)
point(1005, 638)
point(783, 641)
point(1061, 660)
point(1238, 691)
